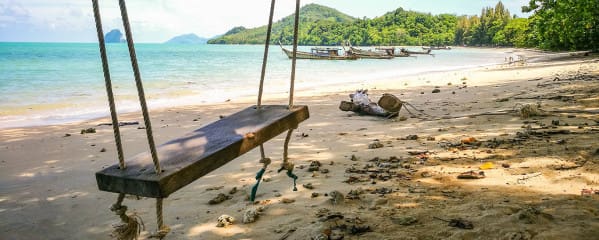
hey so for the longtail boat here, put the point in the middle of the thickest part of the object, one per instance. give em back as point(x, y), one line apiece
point(416, 52)
point(376, 54)
point(437, 48)
point(322, 53)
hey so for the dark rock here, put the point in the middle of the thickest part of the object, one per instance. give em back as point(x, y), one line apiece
point(114, 36)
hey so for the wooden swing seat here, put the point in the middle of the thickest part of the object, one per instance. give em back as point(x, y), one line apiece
point(185, 159)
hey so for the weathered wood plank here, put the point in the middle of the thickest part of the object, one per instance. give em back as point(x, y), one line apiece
point(194, 155)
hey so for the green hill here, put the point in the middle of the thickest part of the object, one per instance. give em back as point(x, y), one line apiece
point(320, 25)
point(310, 15)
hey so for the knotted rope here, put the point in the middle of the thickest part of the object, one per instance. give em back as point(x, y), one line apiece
point(130, 226)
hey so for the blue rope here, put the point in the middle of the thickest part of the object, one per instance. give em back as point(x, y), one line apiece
point(291, 175)
point(255, 187)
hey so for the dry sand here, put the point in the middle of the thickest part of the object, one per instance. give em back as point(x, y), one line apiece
point(48, 189)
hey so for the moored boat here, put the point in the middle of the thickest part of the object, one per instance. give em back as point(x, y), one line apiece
point(437, 48)
point(416, 52)
point(376, 54)
point(322, 53)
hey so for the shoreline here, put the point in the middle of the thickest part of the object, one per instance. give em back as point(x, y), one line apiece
point(131, 105)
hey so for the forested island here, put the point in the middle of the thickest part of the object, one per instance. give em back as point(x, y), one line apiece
point(553, 25)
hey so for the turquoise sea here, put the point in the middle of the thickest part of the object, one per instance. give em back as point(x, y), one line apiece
point(49, 83)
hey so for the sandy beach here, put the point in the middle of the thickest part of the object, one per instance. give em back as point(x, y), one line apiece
point(540, 172)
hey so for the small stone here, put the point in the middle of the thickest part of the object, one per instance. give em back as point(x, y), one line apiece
point(336, 197)
point(412, 137)
point(375, 144)
point(404, 221)
point(354, 158)
point(403, 118)
point(436, 90)
point(308, 186)
point(103, 150)
point(219, 199)
point(88, 130)
point(505, 165)
point(225, 220)
point(233, 190)
point(287, 200)
point(67, 135)
point(430, 138)
point(278, 194)
point(314, 166)
point(315, 194)
point(324, 171)
point(251, 215)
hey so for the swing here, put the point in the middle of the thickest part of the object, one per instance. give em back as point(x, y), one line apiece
point(185, 159)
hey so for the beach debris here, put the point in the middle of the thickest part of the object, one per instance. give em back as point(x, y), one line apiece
point(88, 130)
point(375, 144)
point(314, 166)
point(354, 158)
point(487, 166)
point(221, 197)
point(233, 190)
point(471, 175)
point(121, 124)
point(522, 180)
point(468, 140)
point(308, 186)
point(458, 223)
point(410, 137)
point(360, 103)
point(336, 197)
point(529, 110)
point(354, 194)
point(225, 220)
point(130, 226)
point(404, 221)
point(214, 188)
point(390, 103)
point(590, 191)
point(251, 214)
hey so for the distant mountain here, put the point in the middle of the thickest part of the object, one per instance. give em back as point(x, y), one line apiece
point(114, 36)
point(187, 39)
point(283, 29)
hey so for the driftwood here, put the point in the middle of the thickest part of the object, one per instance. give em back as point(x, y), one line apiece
point(387, 106)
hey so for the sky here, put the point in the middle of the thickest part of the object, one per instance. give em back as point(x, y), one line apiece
point(160, 20)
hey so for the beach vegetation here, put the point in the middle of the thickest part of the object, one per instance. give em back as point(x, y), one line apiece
point(554, 25)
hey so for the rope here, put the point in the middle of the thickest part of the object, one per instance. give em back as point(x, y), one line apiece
point(140, 89)
point(286, 164)
point(163, 230)
point(130, 226)
point(265, 58)
point(113, 114)
point(293, 61)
